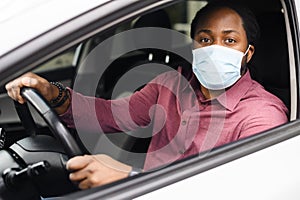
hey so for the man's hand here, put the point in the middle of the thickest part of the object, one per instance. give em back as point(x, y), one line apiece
point(47, 90)
point(33, 81)
point(96, 170)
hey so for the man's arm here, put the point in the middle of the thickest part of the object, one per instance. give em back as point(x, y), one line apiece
point(263, 118)
point(99, 115)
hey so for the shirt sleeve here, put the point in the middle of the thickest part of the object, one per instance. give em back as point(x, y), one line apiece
point(125, 114)
point(266, 116)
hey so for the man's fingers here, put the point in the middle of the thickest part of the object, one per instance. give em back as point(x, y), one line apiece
point(79, 175)
point(13, 90)
point(96, 170)
point(84, 170)
point(29, 82)
point(85, 184)
point(78, 162)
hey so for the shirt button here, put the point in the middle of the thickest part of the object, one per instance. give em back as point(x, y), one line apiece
point(181, 151)
point(183, 123)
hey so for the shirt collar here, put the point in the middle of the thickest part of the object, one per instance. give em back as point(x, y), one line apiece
point(233, 95)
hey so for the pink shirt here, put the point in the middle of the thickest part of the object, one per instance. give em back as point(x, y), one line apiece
point(184, 122)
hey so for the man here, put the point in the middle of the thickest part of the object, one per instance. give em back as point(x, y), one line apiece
point(213, 103)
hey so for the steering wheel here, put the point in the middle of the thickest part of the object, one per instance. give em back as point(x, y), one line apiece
point(35, 165)
point(58, 129)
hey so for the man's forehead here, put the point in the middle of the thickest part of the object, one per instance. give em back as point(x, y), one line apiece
point(227, 19)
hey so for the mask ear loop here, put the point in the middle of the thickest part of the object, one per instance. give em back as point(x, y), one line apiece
point(244, 68)
point(247, 50)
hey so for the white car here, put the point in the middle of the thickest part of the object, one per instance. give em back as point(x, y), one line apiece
point(110, 49)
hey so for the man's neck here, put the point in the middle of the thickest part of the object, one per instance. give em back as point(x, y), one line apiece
point(210, 94)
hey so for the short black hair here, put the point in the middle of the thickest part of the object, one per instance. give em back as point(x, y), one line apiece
point(248, 18)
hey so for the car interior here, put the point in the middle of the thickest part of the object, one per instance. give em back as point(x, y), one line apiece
point(270, 66)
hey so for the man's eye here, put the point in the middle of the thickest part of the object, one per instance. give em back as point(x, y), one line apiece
point(230, 40)
point(204, 40)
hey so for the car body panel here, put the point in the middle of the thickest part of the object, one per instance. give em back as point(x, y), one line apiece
point(297, 7)
point(270, 174)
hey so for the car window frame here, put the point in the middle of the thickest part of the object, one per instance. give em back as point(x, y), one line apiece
point(292, 29)
point(71, 33)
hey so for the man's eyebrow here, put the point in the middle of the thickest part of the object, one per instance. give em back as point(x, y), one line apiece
point(224, 32)
point(230, 31)
point(204, 31)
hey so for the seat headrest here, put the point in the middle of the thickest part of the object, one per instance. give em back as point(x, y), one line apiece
point(270, 64)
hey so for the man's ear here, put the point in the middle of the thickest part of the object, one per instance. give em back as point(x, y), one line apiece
point(250, 53)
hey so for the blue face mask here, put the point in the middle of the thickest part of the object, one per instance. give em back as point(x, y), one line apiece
point(217, 67)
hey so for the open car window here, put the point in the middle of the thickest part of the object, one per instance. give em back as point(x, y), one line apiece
point(124, 64)
point(278, 82)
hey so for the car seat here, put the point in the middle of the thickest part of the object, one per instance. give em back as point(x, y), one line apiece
point(121, 67)
point(270, 63)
